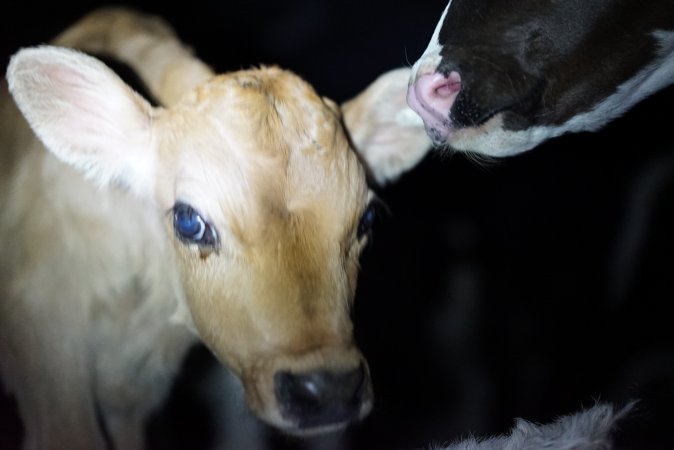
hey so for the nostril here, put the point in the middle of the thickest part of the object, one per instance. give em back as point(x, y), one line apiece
point(446, 87)
point(308, 392)
point(321, 397)
point(432, 96)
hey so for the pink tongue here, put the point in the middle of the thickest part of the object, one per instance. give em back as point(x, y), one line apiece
point(432, 97)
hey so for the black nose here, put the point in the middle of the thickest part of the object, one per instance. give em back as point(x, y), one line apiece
point(322, 398)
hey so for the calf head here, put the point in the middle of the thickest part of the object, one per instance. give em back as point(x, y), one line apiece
point(264, 201)
point(499, 77)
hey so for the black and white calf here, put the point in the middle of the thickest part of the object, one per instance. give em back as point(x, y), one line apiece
point(498, 78)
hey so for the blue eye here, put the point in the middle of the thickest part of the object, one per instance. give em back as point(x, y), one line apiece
point(366, 221)
point(191, 227)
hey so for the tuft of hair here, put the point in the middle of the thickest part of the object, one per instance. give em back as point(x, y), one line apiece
point(590, 429)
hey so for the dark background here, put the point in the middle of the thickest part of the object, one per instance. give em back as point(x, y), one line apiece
point(527, 288)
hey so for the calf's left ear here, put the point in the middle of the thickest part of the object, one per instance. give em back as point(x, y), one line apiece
point(388, 135)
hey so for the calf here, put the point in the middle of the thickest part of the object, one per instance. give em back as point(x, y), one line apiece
point(498, 78)
point(234, 214)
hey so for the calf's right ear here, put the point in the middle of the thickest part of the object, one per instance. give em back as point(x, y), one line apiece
point(85, 115)
point(388, 135)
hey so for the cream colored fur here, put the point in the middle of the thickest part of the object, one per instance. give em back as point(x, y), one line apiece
point(100, 300)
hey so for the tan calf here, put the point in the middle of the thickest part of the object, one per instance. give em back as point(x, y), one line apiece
point(235, 214)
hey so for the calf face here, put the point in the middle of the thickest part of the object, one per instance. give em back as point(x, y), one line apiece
point(498, 78)
point(248, 180)
point(264, 201)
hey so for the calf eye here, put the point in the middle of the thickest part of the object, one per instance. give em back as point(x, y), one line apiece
point(366, 221)
point(191, 227)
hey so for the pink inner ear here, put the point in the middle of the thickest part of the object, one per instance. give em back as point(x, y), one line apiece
point(66, 93)
point(95, 102)
point(65, 75)
point(85, 115)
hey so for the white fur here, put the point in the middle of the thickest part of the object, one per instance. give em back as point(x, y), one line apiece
point(586, 430)
point(430, 59)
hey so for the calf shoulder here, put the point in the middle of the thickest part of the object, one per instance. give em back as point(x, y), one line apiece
point(88, 287)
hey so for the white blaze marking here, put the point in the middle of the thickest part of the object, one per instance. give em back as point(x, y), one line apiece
point(430, 59)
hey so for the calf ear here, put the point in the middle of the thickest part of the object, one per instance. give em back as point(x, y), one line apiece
point(389, 136)
point(85, 115)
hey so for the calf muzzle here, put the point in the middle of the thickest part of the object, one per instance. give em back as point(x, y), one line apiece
point(323, 398)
